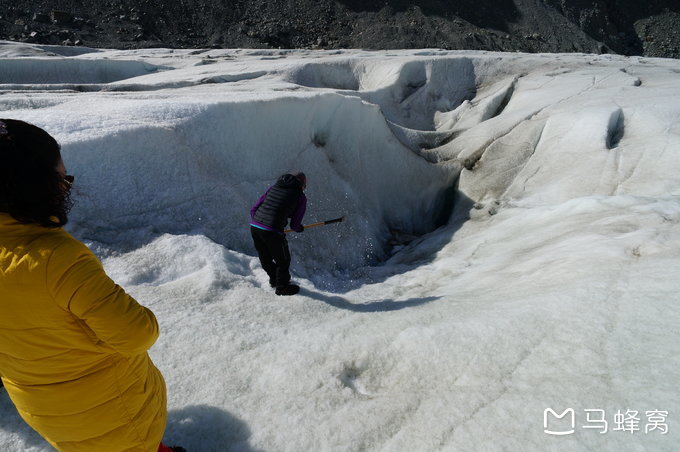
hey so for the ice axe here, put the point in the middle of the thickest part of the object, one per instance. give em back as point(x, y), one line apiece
point(320, 223)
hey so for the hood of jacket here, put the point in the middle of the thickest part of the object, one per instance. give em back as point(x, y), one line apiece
point(288, 181)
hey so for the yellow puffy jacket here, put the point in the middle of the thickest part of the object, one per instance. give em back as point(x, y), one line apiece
point(73, 346)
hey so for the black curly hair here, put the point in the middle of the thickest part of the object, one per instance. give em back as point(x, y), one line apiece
point(31, 188)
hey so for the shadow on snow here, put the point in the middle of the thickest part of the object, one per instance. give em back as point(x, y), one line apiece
point(373, 306)
point(204, 428)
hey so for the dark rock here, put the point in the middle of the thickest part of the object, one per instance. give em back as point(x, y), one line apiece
point(39, 17)
point(60, 17)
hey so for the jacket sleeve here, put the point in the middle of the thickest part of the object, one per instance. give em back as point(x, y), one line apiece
point(78, 283)
point(258, 203)
point(298, 214)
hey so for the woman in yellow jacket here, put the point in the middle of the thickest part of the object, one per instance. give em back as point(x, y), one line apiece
point(73, 344)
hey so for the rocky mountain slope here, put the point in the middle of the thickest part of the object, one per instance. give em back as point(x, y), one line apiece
point(628, 27)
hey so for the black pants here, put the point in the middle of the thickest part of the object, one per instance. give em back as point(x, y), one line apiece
point(272, 248)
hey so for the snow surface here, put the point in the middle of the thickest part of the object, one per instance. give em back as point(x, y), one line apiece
point(511, 241)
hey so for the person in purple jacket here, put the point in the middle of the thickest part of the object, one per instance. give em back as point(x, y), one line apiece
point(269, 216)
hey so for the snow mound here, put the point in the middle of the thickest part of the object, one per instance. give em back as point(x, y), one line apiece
point(55, 71)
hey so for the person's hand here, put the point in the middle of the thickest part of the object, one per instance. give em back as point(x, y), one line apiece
point(299, 229)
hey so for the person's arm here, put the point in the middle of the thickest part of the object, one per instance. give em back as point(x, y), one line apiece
point(258, 203)
point(78, 283)
point(296, 219)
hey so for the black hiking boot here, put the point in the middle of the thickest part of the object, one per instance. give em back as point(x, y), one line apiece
point(290, 289)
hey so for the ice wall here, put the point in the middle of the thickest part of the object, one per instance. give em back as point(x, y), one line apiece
point(202, 167)
point(184, 142)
